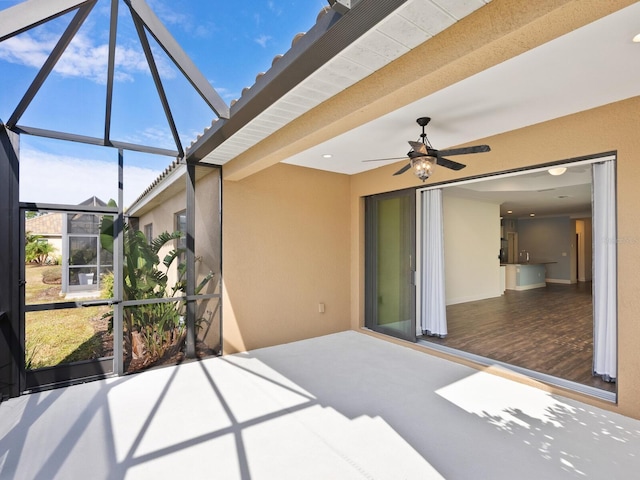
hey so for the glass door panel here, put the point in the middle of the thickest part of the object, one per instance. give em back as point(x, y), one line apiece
point(390, 264)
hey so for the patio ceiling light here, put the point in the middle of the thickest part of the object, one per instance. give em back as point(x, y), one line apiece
point(423, 166)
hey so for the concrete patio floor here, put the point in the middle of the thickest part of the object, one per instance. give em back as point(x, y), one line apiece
point(343, 406)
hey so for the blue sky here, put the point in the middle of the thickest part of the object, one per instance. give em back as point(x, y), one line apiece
point(229, 41)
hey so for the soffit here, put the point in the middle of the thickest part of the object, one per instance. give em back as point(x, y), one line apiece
point(591, 66)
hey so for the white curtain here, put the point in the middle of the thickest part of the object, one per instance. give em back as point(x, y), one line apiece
point(433, 311)
point(604, 271)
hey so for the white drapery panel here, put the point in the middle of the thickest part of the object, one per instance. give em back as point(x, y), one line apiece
point(604, 271)
point(433, 313)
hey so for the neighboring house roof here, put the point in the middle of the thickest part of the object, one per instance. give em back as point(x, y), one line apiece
point(51, 223)
point(169, 176)
point(93, 201)
point(48, 224)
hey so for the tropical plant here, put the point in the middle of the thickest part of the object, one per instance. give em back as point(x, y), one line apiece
point(150, 330)
point(37, 249)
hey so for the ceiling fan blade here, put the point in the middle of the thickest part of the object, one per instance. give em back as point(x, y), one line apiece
point(403, 169)
point(465, 150)
point(445, 162)
point(384, 159)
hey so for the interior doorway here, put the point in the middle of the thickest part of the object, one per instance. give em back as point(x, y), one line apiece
point(547, 308)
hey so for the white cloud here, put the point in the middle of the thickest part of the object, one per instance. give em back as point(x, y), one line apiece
point(170, 16)
point(50, 178)
point(153, 136)
point(226, 93)
point(262, 40)
point(82, 58)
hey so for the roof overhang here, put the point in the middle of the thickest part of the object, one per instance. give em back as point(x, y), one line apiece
point(399, 57)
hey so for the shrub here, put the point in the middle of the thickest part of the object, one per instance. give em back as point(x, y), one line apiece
point(107, 285)
point(52, 276)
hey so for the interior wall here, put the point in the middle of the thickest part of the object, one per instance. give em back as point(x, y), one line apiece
point(585, 251)
point(563, 138)
point(550, 239)
point(472, 247)
point(286, 251)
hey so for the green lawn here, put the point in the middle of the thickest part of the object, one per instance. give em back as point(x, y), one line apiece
point(59, 336)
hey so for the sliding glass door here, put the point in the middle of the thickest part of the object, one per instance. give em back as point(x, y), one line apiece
point(390, 293)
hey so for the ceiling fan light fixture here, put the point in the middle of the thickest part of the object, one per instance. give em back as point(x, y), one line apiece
point(423, 166)
point(557, 171)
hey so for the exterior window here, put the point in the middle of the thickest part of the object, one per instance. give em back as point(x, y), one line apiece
point(148, 232)
point(181, 244)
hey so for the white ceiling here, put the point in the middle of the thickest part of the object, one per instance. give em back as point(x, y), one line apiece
point(592, 66)
point(536, 192)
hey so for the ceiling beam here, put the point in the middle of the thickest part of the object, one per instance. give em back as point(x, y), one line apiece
point(179, 57)
point(29, 14)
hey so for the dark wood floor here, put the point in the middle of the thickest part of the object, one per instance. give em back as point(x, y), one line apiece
point(549, 330)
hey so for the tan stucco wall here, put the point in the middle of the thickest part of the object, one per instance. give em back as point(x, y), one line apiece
point(207, 233)
point(285, 250)
point(608, 128)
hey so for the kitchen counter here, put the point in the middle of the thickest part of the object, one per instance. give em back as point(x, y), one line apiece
point(525, 276)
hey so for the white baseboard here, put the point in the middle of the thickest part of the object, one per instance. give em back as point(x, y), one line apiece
point(530, 287)
point(558, 280)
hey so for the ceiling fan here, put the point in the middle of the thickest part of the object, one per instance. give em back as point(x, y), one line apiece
point(423, 157)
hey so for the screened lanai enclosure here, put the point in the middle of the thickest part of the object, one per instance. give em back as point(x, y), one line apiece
point(125, 280)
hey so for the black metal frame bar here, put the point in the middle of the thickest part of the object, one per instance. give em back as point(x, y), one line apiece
point(190, 189)
point(11, 334)
point(179, 57)
point(113, 29)
point(68, 208)
point(118, 269)
point(144, 41)
point(30, 14)
point(71, 137)
point(68, 374)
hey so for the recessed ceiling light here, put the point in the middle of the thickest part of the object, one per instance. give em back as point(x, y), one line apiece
point(636, 39)
point(532, 214)
point(327, 155)
point(509, 211)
